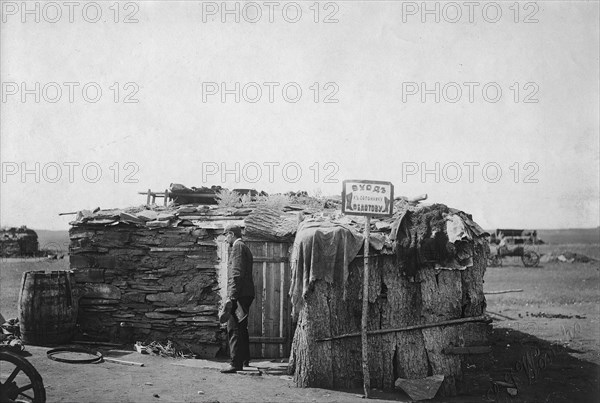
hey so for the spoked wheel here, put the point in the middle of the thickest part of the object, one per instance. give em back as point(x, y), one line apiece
point(530, 258)
point(494, 261)
point(19, 380)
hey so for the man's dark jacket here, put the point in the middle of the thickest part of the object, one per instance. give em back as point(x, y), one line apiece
point(239, 267)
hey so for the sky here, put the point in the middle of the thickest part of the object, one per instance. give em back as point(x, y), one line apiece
point(488, 107)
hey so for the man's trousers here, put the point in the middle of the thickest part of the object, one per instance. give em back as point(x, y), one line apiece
point(239, 339)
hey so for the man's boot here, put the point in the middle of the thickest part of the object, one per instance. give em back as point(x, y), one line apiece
point(231, 370)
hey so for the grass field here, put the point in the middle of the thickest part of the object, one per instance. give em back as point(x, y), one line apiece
point(53, 240)
point(549, 284)
point(557, 310)
point(591, 250)
point(570, 236)
point(11, 271)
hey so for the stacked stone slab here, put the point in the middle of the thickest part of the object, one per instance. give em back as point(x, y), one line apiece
point(150, 274)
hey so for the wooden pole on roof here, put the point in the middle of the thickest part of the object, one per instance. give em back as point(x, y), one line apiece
point(365, 311)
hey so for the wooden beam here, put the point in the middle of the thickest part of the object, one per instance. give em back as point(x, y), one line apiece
point(122, 362)
point(365, 312)
point(282, 294)
point(97, 343)
point(502, 291)
point(268, 340)
point(196, 195)
point(200, 217)
point(451, 322)
point(500, 315)
point(264, 329)
point(273, 259)
point(468, 350)
point(180, 249)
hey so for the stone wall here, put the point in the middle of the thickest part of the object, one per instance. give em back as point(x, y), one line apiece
point(142, 283)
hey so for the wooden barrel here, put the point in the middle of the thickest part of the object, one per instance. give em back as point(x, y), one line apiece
point(47, 307)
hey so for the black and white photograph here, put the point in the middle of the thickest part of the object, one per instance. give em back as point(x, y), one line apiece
point(299, 201)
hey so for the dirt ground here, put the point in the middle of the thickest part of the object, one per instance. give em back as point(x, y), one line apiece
point(544, 340)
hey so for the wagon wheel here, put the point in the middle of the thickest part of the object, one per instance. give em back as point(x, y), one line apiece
point(530, 258)
point(495, 261)
point(32, 386)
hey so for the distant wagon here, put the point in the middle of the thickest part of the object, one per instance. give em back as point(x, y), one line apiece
point(520, 236)
point(515, 242)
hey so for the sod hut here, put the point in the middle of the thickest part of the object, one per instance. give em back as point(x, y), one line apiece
point(426, 301)
point(154, 273)
point(157, 273)
point(17, 242)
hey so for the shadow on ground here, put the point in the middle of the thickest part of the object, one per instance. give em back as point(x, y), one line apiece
point(521, 368)
point(532, 369)
point(537, 370)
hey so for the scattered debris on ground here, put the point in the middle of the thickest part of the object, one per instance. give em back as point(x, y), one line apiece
point(10, 336)
point(567, 257)
point(163, 350)
point(556, 316)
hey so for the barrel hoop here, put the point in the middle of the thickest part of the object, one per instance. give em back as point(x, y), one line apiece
point(97, 356)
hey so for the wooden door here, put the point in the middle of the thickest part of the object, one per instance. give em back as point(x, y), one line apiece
point(269, 321)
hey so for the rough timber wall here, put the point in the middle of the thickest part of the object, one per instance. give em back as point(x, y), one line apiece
point(394, 301)
point(430, 281)
point(141, 283)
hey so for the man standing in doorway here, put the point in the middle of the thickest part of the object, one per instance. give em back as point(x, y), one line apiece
point(240, 294)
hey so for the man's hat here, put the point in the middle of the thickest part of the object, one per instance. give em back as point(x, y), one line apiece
point(235, 229)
